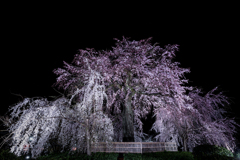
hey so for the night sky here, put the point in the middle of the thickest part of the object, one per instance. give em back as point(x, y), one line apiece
point(36, 42)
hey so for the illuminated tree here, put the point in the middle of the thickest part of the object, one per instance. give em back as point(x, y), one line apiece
point(137, 76)
point(81, 125)
point(114, 90)
point(204, 123)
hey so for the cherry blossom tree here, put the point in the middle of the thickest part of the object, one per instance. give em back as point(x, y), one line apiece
point(136, 76)
point(81, 125)
point(117, 89)
point(204, 123)
point(139, 75)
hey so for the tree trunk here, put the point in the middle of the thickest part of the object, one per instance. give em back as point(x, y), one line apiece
point(184, 145)
point(185, 138)
point(128, 128)
point(88, 139)
point(127, 115)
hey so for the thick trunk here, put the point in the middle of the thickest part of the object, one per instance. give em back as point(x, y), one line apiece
point(128, 128)
point(127, 115)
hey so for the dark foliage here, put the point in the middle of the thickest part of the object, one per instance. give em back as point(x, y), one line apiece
point(215, 157)
point(209, 150)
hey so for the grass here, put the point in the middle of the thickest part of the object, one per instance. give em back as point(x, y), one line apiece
point(94, 156)
point(6, 155)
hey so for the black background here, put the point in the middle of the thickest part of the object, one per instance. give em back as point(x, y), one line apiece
point(37, 39)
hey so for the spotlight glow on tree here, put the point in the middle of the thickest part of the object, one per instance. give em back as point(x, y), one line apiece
point(109, 92)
